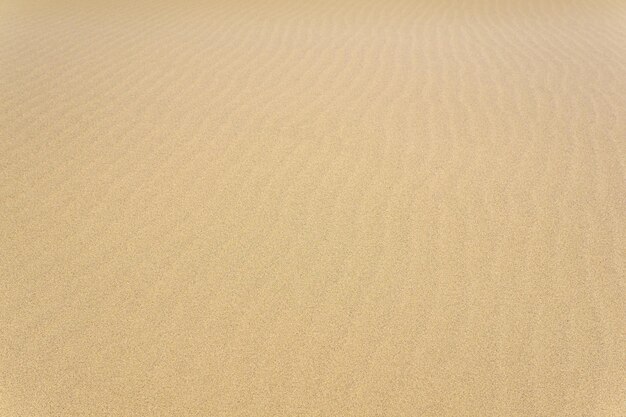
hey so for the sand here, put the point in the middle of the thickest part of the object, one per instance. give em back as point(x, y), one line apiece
point(313, 208)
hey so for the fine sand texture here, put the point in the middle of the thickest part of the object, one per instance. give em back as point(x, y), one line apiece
point(313, 208)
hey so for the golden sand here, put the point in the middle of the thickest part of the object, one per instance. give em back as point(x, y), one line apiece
point(313, 208)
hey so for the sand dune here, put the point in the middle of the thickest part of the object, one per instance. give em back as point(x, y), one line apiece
point(323, 208)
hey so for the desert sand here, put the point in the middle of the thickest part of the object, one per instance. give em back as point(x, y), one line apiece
point(313, 208)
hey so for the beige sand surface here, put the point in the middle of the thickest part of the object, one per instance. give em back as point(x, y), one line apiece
point(313, 208)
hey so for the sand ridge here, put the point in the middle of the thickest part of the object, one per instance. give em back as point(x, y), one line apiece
point(337, 208)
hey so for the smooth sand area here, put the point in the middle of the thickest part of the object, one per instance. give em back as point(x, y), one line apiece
point(313, 208)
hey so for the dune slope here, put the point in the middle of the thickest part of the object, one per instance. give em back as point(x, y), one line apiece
point(323, 208)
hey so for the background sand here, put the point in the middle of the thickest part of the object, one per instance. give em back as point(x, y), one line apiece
point(329, 208)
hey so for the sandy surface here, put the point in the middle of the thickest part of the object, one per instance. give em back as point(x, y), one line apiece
point(313, 208)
